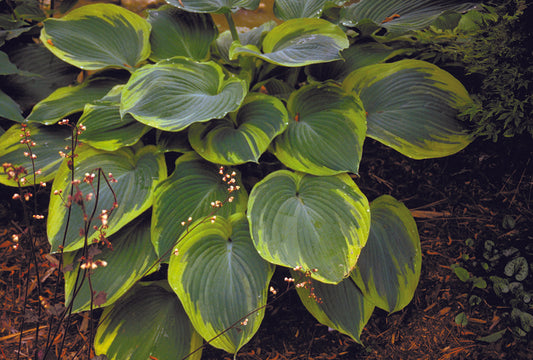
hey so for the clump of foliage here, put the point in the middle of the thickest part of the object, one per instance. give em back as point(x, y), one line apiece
point(226, 155)
point(504, 270)
point(492, 47)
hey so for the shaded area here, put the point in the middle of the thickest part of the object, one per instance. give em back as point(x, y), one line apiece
point(483, 193)
point(464, 196)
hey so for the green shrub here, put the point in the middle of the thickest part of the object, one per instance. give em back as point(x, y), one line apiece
point(493, 49)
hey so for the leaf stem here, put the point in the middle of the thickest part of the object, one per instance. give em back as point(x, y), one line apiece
point(232, 28)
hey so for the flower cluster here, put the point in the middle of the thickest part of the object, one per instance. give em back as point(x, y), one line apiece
point(306, 284)
point(230, 180)
point(15, 173)
point(91, 264)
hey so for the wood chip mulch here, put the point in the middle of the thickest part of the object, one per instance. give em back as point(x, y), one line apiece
point(464, 196)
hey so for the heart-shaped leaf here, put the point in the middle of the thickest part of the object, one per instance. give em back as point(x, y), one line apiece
point(298, 42)
point(241, 136)
point(173, 94)
point(180, 33)
point(400, 16)
point(412, 107)
point(49, 141)
point(341, 307)
point(326, 133)
point(68, 100)
point(136, 175)
point(97, 36)
point(316, 223)
point(221, 281)
point(131, 258)
point(166, 332)
point(214, 6)
point(289, 9)
point(189, 193)
point(389, 266)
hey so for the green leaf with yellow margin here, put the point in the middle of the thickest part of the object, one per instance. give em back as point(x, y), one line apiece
point(70, 99)
point(221, 281)
point(175, 93)
point(137, 174)
point(326, 131)
point(312, 222)
point(298, 42)
point(412, 106)
point(188, 193)
point(131, 258)
point(148, 322)
point(388, 269)
point(241, 136)
point(49, 141)
point(341, 307)
point(97, 36)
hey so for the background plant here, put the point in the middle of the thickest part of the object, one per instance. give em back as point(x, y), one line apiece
point(504, 272)
point(490, 48)
point(286, 117)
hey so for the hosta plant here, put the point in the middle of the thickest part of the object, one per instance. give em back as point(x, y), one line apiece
point(234, 153)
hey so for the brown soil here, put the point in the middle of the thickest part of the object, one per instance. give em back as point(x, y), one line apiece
point(465, 196)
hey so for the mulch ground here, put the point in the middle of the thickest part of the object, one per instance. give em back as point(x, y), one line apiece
point(464, 196)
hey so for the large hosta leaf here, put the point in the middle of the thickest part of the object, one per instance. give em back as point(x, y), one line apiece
point(241, 136)
point(412, 107)
point(341, 307)
point(179, 33)
point(173, 94)
point(149, 322)
point(319, 223)
point(48, 142)
point(298, 42)
point(97, 36)
point(70, 99)
point(189, 192)
point(326, 132)
point(400, 16)
point(221, 281)
point(389, 266)
point(214, 6)
point(131, 258)
point(136, 173)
